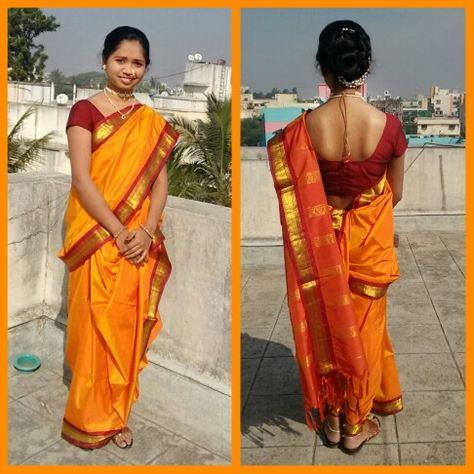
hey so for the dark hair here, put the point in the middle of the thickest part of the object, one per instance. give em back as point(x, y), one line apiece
point(344, 50)
point(121, 33)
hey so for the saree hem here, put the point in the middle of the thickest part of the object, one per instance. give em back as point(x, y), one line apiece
point(388, 408)
point(85, 439)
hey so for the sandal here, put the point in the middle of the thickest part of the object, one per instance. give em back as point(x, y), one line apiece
point(373, 431)
point(120, 441)
point(324, 433)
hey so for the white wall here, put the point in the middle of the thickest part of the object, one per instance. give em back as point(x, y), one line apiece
point(195, 307)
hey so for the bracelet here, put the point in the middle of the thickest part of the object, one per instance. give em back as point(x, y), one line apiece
point(152, 237)
point(115, 236)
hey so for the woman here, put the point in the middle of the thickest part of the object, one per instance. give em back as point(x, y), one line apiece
point(113, 245)
point(338, 172)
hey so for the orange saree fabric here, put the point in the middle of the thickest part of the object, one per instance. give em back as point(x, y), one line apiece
point(112, 305)
point(338, 266)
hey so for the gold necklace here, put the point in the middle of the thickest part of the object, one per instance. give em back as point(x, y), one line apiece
point(123, 116)
point(120, 95)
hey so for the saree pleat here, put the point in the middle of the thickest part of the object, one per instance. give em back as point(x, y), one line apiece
point(113, 305)
point(343, 351)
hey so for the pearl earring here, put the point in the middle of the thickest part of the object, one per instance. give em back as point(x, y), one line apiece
point(104, 67)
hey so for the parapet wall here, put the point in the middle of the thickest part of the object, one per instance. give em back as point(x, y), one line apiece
point(434, 186)
point(195, 307)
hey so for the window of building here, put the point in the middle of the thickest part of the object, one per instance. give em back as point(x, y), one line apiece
point(424, 127)
point(452, 127)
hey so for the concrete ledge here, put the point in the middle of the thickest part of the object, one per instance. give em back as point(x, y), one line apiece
point(434, 184)
point(196, 339)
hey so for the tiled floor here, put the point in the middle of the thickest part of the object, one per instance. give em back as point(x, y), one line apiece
point(36, 406)
point(426, 325)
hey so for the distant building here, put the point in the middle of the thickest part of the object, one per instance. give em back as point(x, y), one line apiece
point(438, 126)
point(445, 102)
point(276, 118)
point(390, 105)
point(462, 114)
point(423, 102)
point(409, 115)
point(202, 78)
point(282, 100)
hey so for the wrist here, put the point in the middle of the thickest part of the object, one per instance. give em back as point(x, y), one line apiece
point(147, 231)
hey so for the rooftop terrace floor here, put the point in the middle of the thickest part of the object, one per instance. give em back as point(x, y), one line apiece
point(426, 324)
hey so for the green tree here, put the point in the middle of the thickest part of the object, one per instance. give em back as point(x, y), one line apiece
point(251, 132)
point(200, 166)
point(90, 79)
point(26, 60)
point(62, 83)
point(24, 152)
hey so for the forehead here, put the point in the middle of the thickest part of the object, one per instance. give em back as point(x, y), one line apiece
point(130, 48)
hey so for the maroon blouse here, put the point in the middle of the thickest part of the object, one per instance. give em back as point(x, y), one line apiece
point(86, 115)
point(350, 178)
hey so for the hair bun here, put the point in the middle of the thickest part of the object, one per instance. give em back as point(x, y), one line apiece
point(344, 50)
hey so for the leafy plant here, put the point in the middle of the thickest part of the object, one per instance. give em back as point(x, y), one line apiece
point(23, 152)
point(200, 165)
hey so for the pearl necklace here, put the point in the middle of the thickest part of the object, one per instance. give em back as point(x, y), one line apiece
point(123, 116)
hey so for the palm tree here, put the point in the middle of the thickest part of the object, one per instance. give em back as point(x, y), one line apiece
point(200, 165)
point(23, 152)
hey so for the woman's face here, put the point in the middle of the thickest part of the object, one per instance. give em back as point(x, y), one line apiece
point(126, 66)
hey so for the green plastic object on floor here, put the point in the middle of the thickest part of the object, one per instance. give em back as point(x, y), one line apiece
point(27, 362)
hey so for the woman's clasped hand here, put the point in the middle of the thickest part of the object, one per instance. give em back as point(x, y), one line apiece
point(134, 245)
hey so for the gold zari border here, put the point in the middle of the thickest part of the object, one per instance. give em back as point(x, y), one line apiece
point(365, 289)
point(160, 276)
point(387, 408)
point(81, 437)
point(108, 127)
point(296, 242)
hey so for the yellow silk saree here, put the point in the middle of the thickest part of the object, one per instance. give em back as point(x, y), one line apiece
point(112, 305)
point(338, 266)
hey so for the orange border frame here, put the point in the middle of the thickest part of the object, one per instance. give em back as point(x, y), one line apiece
point(236, 5)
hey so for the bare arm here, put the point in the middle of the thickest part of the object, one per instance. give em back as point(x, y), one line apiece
point(395, 172)
point(158, 196)
point(80, 149)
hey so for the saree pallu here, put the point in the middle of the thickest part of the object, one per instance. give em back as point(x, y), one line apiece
point(112, 305)
point(336, 283)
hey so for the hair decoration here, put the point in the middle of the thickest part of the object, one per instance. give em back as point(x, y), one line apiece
point(356, 82)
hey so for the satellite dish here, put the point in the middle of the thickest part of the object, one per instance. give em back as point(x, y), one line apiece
point(62, 99)
point(190, 57)
point(198, 57)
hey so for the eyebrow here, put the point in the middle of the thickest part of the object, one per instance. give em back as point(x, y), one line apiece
point(126, 57)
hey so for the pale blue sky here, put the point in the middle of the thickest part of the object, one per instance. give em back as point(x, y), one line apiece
point(413, 48)
point(173, 34)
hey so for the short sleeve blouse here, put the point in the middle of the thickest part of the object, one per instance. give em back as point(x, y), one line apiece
point(350, 178)
point(84, 114)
